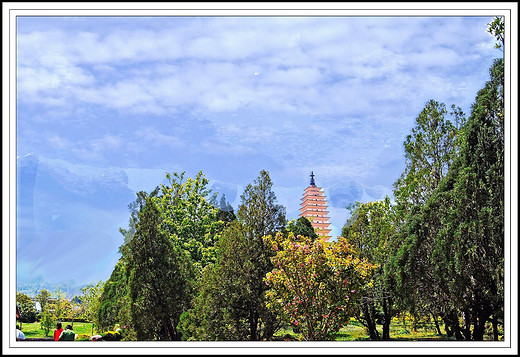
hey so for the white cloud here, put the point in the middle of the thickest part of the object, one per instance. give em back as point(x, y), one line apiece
point(251, 78)
point(156, 138)
point(306, 65)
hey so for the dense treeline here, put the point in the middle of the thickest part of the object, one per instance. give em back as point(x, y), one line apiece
point(192, 269)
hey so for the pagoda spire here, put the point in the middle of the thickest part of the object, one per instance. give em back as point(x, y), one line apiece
point(314, 207)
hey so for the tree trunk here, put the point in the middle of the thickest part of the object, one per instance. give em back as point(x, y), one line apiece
point(451, 325)
point(439, 332)
point(253, 324)
point(387, 319)
point(479, 327)
point(495, 328)
point(370, 321)
point(171, 334)
point(467, 325)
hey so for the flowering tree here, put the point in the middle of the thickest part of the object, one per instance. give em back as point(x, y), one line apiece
point(314, 284)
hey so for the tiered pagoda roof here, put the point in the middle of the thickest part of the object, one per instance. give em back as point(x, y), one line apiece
point(314, 207)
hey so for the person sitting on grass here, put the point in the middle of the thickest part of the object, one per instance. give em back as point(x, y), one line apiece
point(19, 334)
point(58, 331)
point(67, 334)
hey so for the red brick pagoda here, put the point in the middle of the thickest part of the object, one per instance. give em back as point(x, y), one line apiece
point(314, 207)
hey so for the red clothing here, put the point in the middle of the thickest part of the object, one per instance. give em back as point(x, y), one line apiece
point(57, 334)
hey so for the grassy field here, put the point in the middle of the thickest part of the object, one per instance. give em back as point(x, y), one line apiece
point(34, 330)
point(354, 331)
point(399, 331)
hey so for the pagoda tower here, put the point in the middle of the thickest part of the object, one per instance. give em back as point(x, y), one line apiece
point(314, 207)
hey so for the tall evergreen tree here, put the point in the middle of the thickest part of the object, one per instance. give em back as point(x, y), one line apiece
point(159, 277)
point(231, 301)
point(261, 216)
point(302, 227)
point(430, 150)
point(372, 234)
point(221, 308)
point(473, 241)
point(454, 251)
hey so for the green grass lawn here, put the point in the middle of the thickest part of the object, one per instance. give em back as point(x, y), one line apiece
point(34, 330)
point(354, 331)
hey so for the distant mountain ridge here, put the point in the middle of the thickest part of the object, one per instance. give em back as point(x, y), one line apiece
point(69, 288)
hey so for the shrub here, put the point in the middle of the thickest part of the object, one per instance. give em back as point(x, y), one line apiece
point(83, 337)
point(111, 336)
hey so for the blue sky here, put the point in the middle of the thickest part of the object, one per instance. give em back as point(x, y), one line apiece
point(106, 105)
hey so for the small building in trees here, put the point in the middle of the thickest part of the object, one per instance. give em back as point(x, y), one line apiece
point(314, 207)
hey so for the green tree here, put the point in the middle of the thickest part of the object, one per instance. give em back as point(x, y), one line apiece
point(90, 302)
point(46, 322)
point(43, 299)
point(453, 252)
point(188, 217)
point(473, 239)
point(231, 300)
point(496, 28)
point(314, 285)
point(26, 308)
point(61, 306)
point(221, 308)
point(302, 227)
point(179, 225)
point(160, 277)
point(261, 216)
point(114, 302)
point(430, 150)
point(372, 234)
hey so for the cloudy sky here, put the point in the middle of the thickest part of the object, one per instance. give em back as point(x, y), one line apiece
point(106, 105)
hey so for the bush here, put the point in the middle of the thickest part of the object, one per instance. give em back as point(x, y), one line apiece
point(111, 336)
point(83, 337)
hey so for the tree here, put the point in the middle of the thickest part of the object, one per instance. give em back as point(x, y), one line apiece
point(133, 207)
point(46, 322)
point(372, 234)
point(43, 299)
point(430, 150)
point(473, 240)
point(302, 227)
point(75, 310)
point(261, 216)
point(314, 285)
point(189, 218)
point(170, 240)
point(90, 302)
point(231, 300)
point(62, 307)
point(496, 28)
point(225, 213)
point(159, 276)
point(453, 253)
point(114, 302)
point(26, 308)
point(221, 308)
